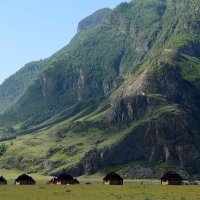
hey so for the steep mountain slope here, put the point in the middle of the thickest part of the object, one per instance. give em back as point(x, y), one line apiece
point(15, 86)
point(123, 91)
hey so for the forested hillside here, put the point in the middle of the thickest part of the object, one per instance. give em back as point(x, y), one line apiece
point(14, 87)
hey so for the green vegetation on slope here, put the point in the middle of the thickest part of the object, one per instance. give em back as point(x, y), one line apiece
point(16, 85)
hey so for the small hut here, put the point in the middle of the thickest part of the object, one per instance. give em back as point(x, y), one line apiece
point(113, 179)
point(171, 178)
point(63, 179)
point(3, 181)
point(24, 179)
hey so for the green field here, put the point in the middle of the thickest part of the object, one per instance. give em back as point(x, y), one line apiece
point(99, 192)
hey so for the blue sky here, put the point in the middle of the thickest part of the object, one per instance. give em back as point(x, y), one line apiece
point(35, 29)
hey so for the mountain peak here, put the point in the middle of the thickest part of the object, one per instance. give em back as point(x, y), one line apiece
point(94, 19)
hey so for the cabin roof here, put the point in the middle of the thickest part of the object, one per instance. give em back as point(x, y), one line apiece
point(112, 176)
point(66, 176)
point(171, 175)
point(25, 177)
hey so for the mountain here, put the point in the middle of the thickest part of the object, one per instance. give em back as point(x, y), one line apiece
point(124, 93)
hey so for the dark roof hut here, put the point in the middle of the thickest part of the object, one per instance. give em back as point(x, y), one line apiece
point(113, 179)
point(3, 181)
point(64, 179)
point(171, 178)
point(24, 179)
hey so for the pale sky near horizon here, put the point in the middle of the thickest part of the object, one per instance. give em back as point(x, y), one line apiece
point(35, 29)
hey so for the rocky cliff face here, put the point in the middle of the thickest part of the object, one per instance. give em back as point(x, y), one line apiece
point(153, 141)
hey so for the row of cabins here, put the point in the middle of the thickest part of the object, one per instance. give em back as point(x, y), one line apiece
point(170, 178)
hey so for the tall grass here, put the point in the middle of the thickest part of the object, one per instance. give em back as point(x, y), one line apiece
point(99, 192)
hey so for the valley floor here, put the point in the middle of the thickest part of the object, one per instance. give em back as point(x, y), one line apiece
point(99, 192)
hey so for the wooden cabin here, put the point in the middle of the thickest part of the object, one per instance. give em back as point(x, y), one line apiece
point(3, 181)
point(113, 179)
point(171, 178)
point(24, 179)
point(63, 179)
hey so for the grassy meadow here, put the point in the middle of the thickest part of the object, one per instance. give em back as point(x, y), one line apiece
point(99, 192)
